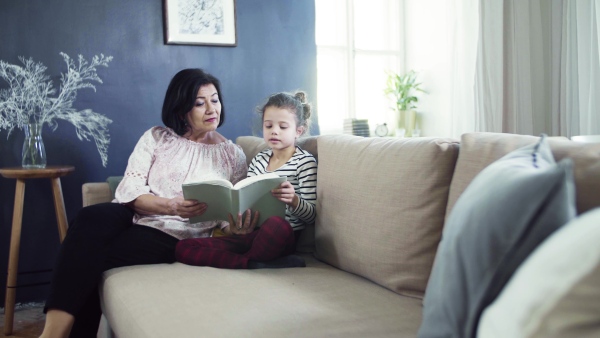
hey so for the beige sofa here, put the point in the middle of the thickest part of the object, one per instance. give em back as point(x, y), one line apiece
point(381, 208)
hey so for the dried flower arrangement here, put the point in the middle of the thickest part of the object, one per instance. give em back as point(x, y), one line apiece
point(29, 98)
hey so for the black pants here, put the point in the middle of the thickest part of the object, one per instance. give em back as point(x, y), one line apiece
point(101, 237)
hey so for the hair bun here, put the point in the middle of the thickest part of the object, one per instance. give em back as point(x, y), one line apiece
point(300, 96)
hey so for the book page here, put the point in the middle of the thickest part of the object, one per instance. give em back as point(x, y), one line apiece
point(257, 197)
point(216, 196)
point(249, 180)
point(216, 181)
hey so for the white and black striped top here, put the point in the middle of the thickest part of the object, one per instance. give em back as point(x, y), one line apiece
point(301, 172)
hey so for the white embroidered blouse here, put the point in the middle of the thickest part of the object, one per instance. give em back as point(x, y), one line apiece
point(162, 161)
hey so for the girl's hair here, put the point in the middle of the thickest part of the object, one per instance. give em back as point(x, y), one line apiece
point(181, 97)
point(296, 103)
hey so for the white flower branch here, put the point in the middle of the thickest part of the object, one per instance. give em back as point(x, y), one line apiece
point(28, 98)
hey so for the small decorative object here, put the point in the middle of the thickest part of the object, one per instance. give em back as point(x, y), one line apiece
point(400, 132)
point(200, 22)
point(381, 130)
point(34, 153)
point(28, 103)
point(401, 88)
point(416, 132)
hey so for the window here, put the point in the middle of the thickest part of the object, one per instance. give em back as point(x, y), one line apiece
point(358, 41)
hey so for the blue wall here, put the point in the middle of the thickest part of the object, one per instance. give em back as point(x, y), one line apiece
point(275, 52)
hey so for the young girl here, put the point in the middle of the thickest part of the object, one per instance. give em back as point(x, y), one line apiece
point(285, 117)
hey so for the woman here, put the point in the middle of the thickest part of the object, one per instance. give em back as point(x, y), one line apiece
point(149, 215)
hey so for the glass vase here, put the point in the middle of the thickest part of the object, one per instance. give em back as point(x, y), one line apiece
point(34, 153)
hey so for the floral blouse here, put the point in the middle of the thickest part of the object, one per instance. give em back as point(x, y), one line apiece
point(162, 161)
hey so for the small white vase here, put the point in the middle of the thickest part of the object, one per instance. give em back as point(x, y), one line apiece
point(400, 132)
point(34, 153)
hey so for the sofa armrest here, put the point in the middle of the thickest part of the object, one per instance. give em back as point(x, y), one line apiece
point(95, 192)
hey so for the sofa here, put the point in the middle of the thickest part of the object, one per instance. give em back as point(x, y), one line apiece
point(381, 208)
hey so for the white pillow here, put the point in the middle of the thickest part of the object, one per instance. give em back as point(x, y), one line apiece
point(556, 291)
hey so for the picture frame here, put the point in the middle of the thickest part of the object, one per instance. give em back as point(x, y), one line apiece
point(200, 22)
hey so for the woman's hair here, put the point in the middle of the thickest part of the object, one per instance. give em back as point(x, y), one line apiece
point(181, 97)
point(296, 103)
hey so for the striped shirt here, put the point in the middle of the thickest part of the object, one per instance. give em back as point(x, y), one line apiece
point(301, 172)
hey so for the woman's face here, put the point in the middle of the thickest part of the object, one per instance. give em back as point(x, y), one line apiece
point(206, 113)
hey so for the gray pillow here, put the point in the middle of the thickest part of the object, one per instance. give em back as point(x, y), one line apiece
point(506, 211)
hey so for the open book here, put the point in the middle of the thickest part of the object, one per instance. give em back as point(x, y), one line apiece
point(223, 198)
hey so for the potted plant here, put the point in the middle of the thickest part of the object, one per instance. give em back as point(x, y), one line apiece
point(30, 101)
point(402, 88)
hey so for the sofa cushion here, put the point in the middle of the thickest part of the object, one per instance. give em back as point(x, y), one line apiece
point(505, 212)
point(113, 184)
point(177, 300)
point(95, 192)
point(560, 299)
point(478, 150)
point(381, 205)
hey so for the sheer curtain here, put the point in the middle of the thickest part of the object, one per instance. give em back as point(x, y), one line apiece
point(580, 50)
point(464, 36)
point(526, 67)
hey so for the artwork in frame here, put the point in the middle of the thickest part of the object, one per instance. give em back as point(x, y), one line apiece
point(200, 22)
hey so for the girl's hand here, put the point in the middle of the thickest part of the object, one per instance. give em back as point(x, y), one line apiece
point(185, 208)
point(244, 224)
point(286, 193)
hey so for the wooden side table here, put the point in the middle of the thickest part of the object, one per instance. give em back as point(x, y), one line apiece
point(20, 174)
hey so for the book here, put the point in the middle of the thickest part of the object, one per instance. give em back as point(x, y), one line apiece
point(357, 127)
point(223, 198)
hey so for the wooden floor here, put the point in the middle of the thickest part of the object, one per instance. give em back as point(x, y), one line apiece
point(28, 323)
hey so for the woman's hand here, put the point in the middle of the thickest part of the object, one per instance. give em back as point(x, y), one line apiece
point(185, 208)
point(148, 204)
point(286, 193)
point(244, 224)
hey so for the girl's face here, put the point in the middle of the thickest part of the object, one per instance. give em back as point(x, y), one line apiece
point(206, 113)
point(280, 129)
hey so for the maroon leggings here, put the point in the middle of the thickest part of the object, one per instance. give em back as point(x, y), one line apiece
point(274, 239)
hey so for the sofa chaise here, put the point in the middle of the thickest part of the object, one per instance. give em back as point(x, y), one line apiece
point(382, 204)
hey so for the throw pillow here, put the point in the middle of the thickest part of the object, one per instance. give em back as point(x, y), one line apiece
point(506, 211)
point(555, 292)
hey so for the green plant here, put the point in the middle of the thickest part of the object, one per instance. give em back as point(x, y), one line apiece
point(402, 89)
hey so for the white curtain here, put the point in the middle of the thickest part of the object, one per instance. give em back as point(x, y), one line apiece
point(580, 50)
point(464, 27)
point(535, 67)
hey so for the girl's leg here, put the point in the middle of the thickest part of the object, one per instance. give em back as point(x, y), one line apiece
point(219, 252)
point(275, 238)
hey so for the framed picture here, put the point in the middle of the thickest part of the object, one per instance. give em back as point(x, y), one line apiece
point(200, 22)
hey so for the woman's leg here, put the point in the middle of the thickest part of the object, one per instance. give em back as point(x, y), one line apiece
point(58, 324)
point(79, 262)
point(137, 245)
point(97, 236)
